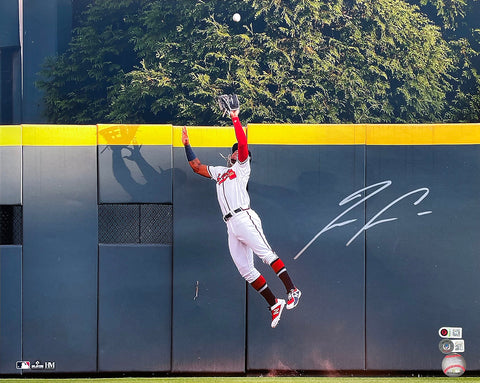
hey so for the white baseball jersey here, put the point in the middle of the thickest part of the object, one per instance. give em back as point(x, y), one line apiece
point(231, 185)
point(245, 233)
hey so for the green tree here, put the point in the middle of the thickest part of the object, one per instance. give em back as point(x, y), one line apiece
point(309, 61)
point(290, 61)
point(459, 21)
point(78, 83)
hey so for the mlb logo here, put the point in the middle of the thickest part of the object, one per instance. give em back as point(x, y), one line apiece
point(23, 365)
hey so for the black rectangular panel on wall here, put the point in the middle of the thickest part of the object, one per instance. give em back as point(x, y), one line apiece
point(297, 190)
point(10, 308)
point(11, 225)
point(135, 223)
point(60, 250)
point(208, 293)
point(134, 325)
point(422, 261)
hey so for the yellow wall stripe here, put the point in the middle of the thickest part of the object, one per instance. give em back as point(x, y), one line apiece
point(59, 135)
point(306, 134)
point(10, 135)
point(111, 134)
point(423, 134)
point(262, 134)
point(206, 136)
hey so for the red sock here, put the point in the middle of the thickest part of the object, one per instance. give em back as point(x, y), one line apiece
point(260, 284)
point(279, 267)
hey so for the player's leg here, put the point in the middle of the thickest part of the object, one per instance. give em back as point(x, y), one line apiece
point(293, 293)
point(242, 256)
point(250, 232)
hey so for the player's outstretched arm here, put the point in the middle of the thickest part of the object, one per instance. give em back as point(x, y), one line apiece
point(193, 161)
point(241, 137)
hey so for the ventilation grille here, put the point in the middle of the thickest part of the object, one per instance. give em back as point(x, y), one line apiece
point(11, 225)
point(135, 223)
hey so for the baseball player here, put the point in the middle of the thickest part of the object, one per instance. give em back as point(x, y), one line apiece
point(245, 233)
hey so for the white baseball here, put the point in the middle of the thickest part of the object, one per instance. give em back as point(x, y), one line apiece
point(236, 17)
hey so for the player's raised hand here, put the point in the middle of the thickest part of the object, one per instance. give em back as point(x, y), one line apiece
point(185, 139)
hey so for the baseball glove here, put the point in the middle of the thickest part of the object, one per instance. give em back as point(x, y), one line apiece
point(228, 102)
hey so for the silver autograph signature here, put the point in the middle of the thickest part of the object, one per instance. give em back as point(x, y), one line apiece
point(372, 221)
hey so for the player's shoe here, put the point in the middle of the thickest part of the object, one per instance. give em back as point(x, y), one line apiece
point(293, 298)
point(276, 311)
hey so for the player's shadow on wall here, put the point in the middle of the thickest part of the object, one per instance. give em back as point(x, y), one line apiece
point(153, 179)
point(133, 172)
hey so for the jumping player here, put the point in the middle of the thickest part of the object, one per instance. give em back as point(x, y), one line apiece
point(245, 233)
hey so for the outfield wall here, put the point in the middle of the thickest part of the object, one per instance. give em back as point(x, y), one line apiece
point(114, 256)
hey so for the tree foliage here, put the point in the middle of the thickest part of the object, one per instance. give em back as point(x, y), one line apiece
point(306, 61)
point(78, 83)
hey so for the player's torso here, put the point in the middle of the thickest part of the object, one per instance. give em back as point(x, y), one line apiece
point(231, 184)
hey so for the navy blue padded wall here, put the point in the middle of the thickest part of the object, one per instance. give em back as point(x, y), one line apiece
point(208, 293)
point(10, 256)
point(142, 177)
point(422, 268)
point(134, 322)
point(297, 190)
point(10, 308)
point(135, 163)
point(60, 247)
point(379, 311)
point(135, 280)
point(10, 165)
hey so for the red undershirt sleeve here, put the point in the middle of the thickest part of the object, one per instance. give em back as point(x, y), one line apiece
point(241, 139)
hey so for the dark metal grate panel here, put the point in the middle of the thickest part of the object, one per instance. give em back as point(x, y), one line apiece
point(135, 223)
point(118, 223)
point(156, 224)
point(11, 225)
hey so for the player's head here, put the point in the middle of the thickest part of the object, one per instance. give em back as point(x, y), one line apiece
point(232, 158)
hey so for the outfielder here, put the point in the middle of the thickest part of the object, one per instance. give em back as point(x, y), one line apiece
point(245, 233)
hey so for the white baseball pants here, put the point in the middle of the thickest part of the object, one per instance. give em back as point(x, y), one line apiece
point(245, 237)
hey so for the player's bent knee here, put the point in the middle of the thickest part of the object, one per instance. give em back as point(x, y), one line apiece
point(251, 275)
point(270, 258)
